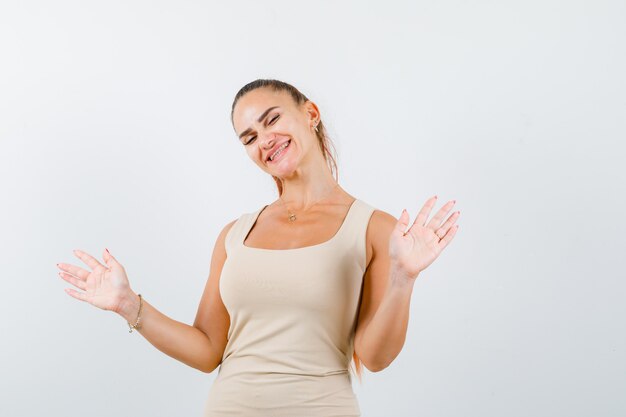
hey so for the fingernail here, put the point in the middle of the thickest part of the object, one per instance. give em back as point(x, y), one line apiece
point(107, 250)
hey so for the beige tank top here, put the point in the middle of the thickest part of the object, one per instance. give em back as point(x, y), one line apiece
point(292, 320)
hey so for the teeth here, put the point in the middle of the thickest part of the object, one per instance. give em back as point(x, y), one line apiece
point(279, 150)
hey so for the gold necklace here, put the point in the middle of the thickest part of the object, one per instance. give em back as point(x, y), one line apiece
point(292, 215)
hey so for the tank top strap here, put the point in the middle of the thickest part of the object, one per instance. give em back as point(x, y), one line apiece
point(238, 230)
point(355, 231)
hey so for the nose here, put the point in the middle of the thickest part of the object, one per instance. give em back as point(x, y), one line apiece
point(267, 140)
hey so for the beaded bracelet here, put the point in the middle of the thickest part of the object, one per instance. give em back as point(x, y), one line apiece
point(134, 326)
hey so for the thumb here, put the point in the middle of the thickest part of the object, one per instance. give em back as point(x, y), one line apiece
point(403, 222)
point(109, 259)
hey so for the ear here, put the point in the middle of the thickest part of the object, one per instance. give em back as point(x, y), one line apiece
point(312, 112)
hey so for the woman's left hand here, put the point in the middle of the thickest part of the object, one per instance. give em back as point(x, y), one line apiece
point(414, 250)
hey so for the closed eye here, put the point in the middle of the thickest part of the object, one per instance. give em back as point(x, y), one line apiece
point(254, 137)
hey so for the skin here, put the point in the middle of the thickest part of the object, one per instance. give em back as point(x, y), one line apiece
point(305, 176)
point(395, 253)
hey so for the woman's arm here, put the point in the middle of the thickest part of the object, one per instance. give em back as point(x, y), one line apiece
point(181, 341)
point(399, 255)
point(200, 346)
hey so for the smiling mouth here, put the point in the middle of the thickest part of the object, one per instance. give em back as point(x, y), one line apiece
point(280, 153)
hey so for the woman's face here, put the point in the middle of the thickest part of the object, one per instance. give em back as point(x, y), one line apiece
point(266, 120)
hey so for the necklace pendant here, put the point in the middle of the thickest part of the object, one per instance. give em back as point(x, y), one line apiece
point(292, 217)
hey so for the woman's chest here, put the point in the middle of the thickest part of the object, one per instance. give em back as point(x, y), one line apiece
point(325, 278)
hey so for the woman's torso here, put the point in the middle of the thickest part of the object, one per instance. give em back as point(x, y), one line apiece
point(292, 320)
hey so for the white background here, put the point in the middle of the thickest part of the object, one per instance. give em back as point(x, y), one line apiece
point(115, 132)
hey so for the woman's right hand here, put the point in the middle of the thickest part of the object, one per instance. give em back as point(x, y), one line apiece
point(105, 287)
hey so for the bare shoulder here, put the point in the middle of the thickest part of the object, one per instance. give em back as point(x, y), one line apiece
point(222, 236)
point(212, 317)
point(375, 280)
point(379, 230)
point(219, 249)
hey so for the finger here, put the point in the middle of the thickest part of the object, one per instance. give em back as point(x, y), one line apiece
point(110, 259)
point(448, 237)
point(424, 212)
point(74, 281)
point(78, 295)
point(74, 270)
point(92, 262)
point(448, 224)
point(402, 222)
point(435, 222)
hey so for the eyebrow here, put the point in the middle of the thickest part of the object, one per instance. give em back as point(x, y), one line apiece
point(248, 130)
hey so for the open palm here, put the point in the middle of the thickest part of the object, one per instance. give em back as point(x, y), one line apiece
point(414, 250)
point(103, 286)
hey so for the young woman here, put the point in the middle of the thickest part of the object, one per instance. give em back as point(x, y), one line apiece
point(297, 288)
